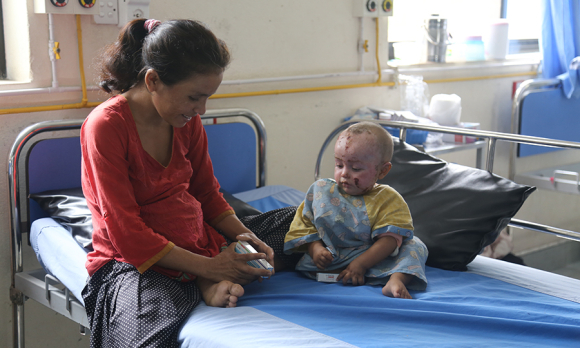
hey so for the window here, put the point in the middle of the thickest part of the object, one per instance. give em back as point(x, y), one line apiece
point(467, 22)
point(525, 19)
point(2, 47)
point(15, 43)
point(464, 17)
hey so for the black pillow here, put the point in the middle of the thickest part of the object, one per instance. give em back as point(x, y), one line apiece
point(240, 207)
point(69, 208)
point(456, 210)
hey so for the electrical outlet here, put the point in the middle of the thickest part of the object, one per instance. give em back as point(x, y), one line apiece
point(372, 8)
point(54, 6)
point(82, 7)
point(132, 9)
point(386, 8)
point(366, 8)
point(108, 12)
point(85, 7)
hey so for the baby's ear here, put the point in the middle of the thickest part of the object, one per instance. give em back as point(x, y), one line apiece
point(385, 168)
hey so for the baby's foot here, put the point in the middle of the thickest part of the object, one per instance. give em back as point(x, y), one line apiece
point(395, 288)
point(222, 294)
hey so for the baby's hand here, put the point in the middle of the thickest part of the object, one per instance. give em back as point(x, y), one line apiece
point(320, 255)
point(354, 272)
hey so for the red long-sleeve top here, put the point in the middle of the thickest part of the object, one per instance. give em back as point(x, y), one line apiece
point(140, 208)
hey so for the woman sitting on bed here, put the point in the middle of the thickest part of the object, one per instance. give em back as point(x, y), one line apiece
point(149, 183)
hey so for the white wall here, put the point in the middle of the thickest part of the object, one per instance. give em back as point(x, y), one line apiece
point(267, 39)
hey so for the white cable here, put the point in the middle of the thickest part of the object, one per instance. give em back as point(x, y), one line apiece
point(361, 44)
point(51, 53)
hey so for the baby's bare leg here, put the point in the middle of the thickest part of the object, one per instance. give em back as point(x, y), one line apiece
point(222, 294)
point(396, 286)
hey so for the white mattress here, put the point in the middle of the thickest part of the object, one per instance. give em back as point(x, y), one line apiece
point(527, 277)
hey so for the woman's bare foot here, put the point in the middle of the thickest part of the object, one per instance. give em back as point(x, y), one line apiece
point(396, 288)
point(222, 294)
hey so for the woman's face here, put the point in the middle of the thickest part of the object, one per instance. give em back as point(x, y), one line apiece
point(179, 103)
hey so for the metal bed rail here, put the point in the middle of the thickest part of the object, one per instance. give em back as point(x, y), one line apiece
point(17, 296)
point(525, 88)
point(490, 137)
point(23, 285)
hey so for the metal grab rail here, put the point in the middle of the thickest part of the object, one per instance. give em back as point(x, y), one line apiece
point(491, 137)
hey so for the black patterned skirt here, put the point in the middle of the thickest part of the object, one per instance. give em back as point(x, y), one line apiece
point(271, 227)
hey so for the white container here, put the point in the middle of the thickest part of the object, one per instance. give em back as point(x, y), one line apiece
point(496, 41)
point(445, 109)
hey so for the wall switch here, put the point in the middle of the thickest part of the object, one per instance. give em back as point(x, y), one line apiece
point(132, 9)
point(108, 12)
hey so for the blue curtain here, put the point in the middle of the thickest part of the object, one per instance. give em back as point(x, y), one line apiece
point(560, 43)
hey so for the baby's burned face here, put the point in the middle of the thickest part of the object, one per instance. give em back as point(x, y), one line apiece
point(357, 163)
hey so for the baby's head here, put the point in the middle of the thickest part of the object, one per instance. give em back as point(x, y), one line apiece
point(362, 156)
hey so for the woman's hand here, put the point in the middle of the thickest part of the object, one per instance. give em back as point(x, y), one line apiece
point(355, 272)
point(320, 255)
point(259, 245)
point(229, 265)
point(233, 228)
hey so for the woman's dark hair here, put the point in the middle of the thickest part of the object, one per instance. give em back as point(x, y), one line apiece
point(176, 50)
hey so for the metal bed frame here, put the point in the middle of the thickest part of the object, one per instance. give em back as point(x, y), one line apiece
point(32, 285)
point(37, 284)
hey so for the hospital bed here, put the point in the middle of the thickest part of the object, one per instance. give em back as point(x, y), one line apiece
point(470, 300)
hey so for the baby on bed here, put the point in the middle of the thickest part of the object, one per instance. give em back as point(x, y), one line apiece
point(355, 227)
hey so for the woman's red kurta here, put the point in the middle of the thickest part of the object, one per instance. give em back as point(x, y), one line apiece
point(140, 208)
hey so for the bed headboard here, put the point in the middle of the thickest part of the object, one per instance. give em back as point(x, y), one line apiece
point(47, 155)
point(542, 110)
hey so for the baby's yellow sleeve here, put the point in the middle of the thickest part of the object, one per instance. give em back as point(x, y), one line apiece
point(388, 212)
point(301, 232)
